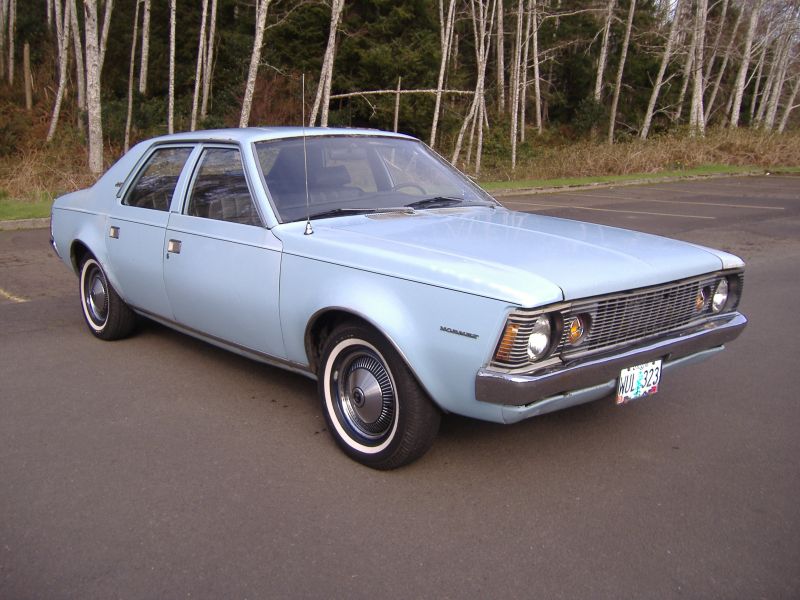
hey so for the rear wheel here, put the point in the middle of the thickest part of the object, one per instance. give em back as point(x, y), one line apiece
point(106, 315)
point(376, 411)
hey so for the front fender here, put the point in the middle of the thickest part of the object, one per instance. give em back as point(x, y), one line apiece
point(410, 315)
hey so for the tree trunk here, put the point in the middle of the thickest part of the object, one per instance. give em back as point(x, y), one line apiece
point(77, 46)
point(651, 105)
point(209, 68)
point(201, 61)
point(715, 46)
point(93, 72)
point(26, 71)
point(618, 86)
point(129, 116)
point(697, 124)
point(537, 90)
point(738, 92)
point(104, 32)
point(62, 35)
point(255, 59)
point(601, 62)
point(772, 107)
point(721, 72)
point(768, 86)
point(446, 28)
point(12, 33)
point(171, 91)
point(787, 110)
point(515, 79)
point(759, 71)
point(3, 28)
point(687, 71)
point(501, 68)
point(322, 99)
point(145, 58)
point(523, 92)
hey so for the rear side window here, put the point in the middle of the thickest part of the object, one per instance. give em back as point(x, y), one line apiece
point(220, 189)
point(157, 180)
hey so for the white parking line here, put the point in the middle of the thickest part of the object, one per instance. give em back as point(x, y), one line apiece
point(10, 296)
point(696, 193)
point(630, 212)
point(629, 199)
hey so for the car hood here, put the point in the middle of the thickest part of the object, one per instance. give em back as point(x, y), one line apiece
point(516, 257)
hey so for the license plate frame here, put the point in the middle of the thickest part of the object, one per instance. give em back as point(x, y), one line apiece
point(638, 381)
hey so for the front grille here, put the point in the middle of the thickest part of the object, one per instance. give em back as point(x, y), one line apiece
point(617, 319)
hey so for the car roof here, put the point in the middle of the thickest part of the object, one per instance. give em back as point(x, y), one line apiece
point(258, 134)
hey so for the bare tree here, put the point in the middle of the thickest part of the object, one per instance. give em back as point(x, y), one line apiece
point(77, 46)
point(322, 99)
point(201, 61)
point(209, 68)
point(12, 33)
point(715, 45)
point(721, 72)
point(696, 119)
point(738, 91)
point(134, 39)
point(601, 62)
point(501, 68)
point(537, 90)
point(255, 59)
point(476, 117)
point(94, 68)
point(618, 86)
point(446, 36)
point(523, 88)
point(145, 58)
point(662, 69)
point(515, 85)
point(4, 5)
point(62, 39)
point(171, 92)
point(790, 105)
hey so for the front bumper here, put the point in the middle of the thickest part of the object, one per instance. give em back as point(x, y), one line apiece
point(525, 396)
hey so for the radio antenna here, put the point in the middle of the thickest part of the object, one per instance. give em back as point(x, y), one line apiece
point(309, 230)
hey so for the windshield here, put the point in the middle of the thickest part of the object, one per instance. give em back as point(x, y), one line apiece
point(351, 174)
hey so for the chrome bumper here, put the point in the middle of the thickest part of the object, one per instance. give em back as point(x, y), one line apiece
point(594, 377)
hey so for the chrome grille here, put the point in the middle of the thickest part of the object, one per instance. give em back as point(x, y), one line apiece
point(615, 319)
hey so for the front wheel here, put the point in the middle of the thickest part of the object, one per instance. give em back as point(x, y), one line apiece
point(375, 409)
point(106, 314)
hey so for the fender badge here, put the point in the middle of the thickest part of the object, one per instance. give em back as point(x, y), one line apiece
point(473, 336)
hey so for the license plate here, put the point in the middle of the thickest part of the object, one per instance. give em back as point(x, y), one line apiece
point(638, 382)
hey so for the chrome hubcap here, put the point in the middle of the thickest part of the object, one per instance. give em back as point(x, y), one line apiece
point(96, 297)
point(366, 399)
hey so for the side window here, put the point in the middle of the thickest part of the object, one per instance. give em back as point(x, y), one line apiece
point(157, 180)
point(220, 189)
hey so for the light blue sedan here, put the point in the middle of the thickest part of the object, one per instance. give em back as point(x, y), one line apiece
point(363, 260)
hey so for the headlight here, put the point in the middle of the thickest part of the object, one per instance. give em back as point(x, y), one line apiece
point(539, 340)
point(720, 296)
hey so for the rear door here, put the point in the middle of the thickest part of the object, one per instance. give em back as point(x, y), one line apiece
point(137, 226)
point(222, 266)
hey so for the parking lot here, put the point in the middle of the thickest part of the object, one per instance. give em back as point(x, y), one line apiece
point(162, 467)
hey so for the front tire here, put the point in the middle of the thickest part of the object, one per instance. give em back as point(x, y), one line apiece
point(105, 313)
point(375, 409)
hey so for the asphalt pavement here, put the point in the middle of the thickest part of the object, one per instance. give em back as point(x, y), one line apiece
point(162, 467)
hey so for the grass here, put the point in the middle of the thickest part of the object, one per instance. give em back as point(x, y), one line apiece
point(702, 171)
point(32, 175)
point(12, 210)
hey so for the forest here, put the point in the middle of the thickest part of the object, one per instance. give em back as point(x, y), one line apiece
point(496, 86)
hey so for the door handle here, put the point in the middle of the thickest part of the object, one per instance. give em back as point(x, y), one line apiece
point(174, 246)
point(113, 232)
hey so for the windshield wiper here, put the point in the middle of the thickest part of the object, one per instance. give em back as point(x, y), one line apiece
point(436, 202)
point(336, 212)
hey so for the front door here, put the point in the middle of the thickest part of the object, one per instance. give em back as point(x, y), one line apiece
point(222, 266)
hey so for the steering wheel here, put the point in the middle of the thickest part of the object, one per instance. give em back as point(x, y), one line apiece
point(408, 184)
